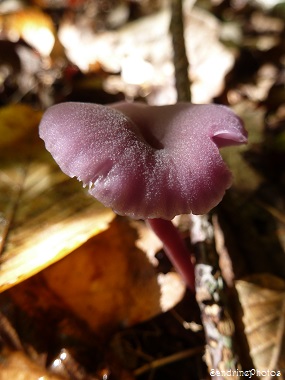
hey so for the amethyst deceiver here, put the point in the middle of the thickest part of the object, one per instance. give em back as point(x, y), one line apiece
point(147, 162)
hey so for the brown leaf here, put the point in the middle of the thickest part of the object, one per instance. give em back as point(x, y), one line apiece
point(107, 282)
point(15, 365)
point(262, 298)
point(44, 214)
point(146, 68)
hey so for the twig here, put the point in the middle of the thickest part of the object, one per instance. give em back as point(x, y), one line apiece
point(8, 335)
point(210, 294)
point(180, 59)
point(168, 360)
point(221, 356)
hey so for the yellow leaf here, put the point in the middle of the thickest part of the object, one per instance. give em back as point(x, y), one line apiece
point(44, 214)
point(17, 121)
point(107, 282)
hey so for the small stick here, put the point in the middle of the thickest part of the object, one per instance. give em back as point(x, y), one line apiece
point(210, 294)
point(168, 360)
point(221, 357)
point(180, 59)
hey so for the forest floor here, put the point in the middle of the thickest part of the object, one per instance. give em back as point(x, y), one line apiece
point(86, 294)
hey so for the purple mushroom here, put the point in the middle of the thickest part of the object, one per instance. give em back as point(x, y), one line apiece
point(147, 162)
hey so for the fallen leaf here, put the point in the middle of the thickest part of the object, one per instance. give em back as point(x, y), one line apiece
point(15, 365)
point(17, 122)
point(107, 282)
point(262, 298)
point(44, 214)
point(144, 60)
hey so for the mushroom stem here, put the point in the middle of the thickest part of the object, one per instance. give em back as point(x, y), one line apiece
point(175, 249)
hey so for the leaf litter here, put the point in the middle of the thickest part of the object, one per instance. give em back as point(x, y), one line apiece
point(50, 230)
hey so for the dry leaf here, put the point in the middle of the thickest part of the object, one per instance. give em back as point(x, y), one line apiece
point(44, 214)
point(145, 59)
point(262, 298)
point(107, 282)
point(17, 121)
point(15, 365)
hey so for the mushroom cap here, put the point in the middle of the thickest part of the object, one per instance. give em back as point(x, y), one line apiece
point(145, 161)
